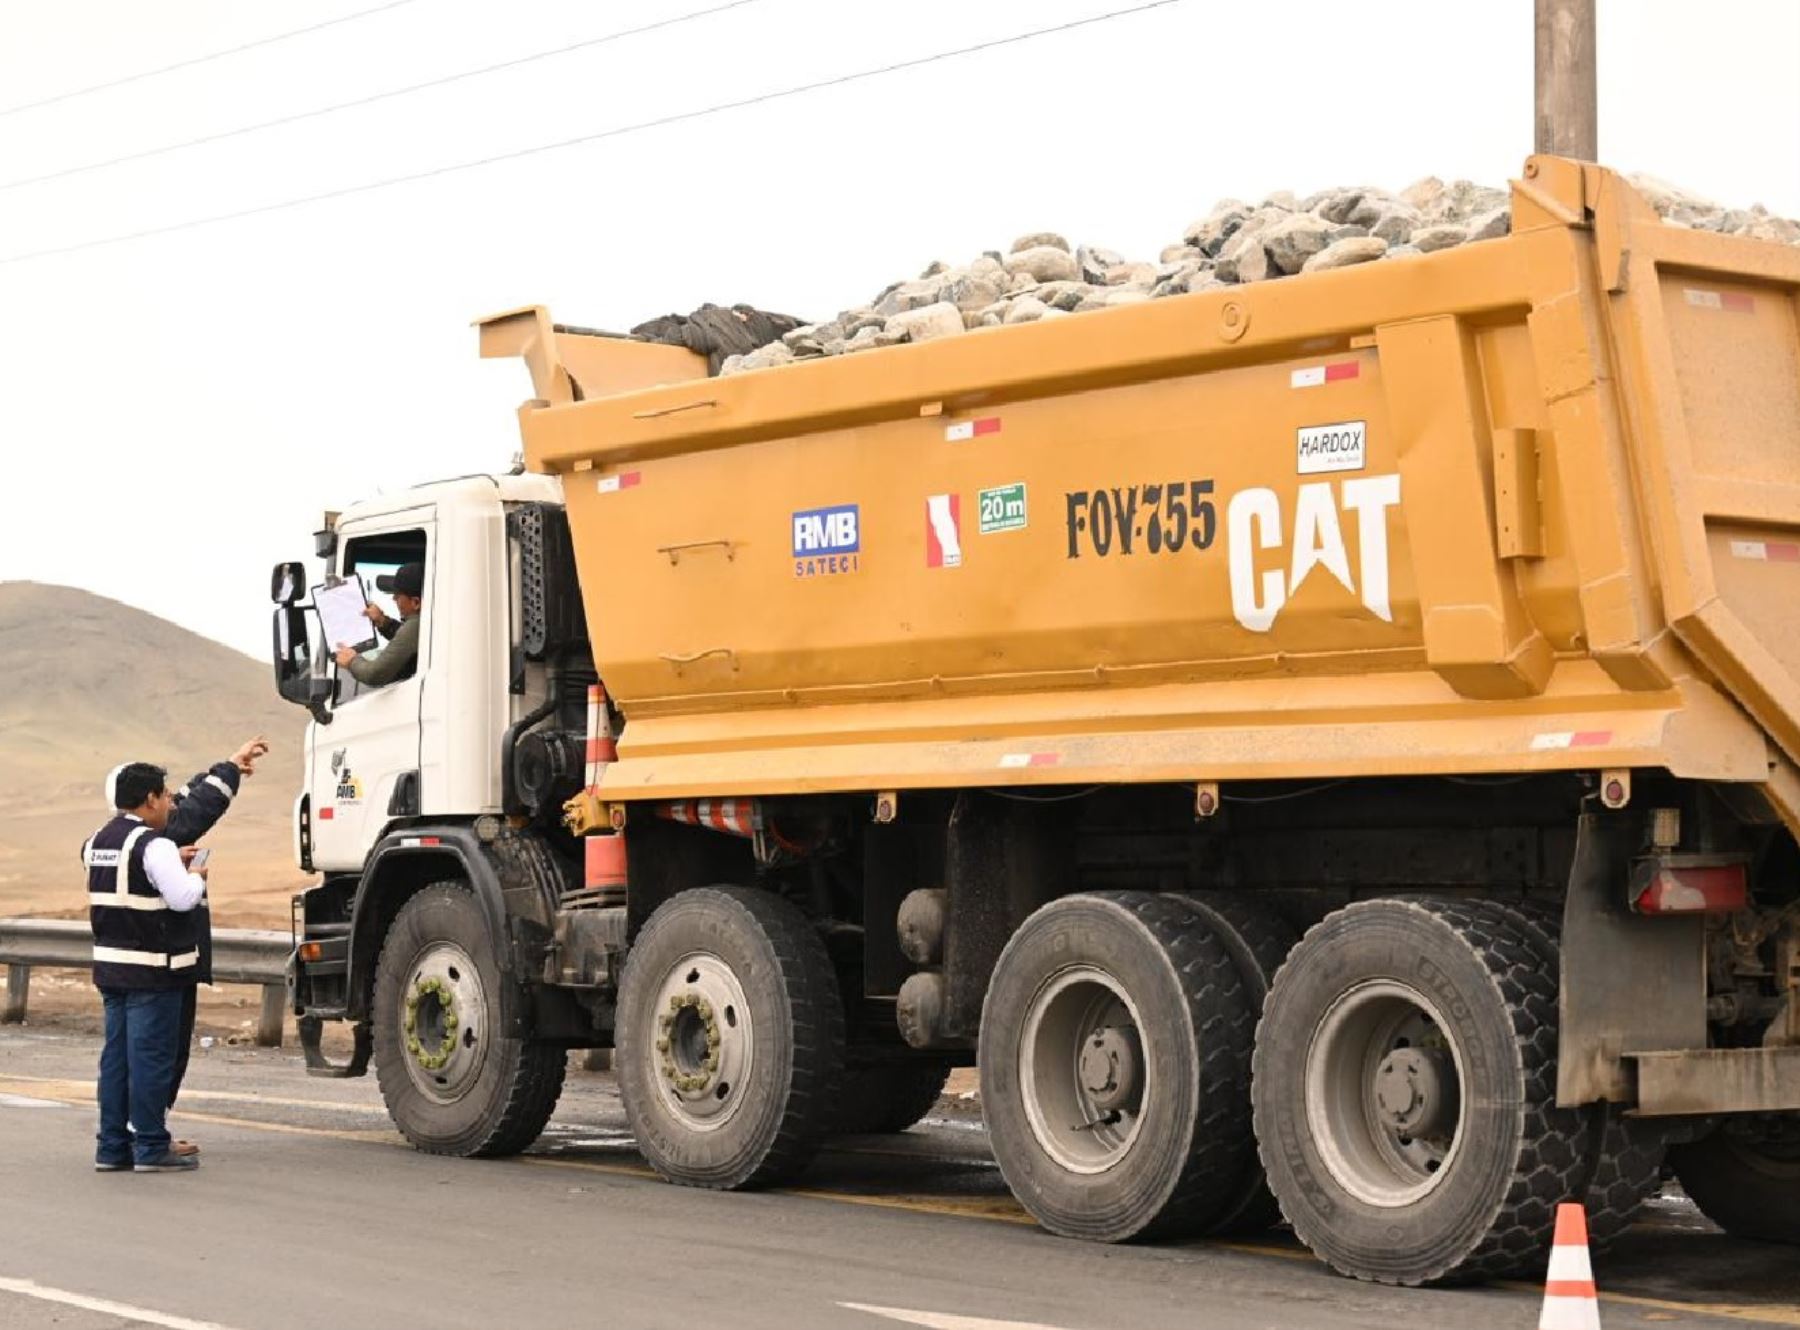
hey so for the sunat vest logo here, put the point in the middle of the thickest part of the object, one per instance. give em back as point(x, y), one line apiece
point(828, 541)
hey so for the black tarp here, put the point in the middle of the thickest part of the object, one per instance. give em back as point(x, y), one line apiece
point(716, 331)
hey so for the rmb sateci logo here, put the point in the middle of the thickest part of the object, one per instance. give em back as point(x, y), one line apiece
point(827, 541)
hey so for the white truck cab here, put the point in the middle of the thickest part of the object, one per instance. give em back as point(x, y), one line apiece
point(377, 755)
point(453, 772)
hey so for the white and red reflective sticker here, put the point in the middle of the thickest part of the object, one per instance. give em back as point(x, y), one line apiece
point(971, 429)
point(620, 480)
point(1572, 739)
point(414, 842)
point(739, 817)
point(1314, 376)
point(943, 531)
point(1771, 551)
point(1736, 301)
point(1014, 760)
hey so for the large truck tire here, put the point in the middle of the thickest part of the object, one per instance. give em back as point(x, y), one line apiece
point(453, 1082)
point(1114, 1059)
point(1258, 940)
point(1745, 1177)
point(1405, 1090)
point(1624, 1156)
point(729, 1040)
point(888, 1097)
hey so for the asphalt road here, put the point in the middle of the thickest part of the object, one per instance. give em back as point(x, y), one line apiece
point(310, 1210)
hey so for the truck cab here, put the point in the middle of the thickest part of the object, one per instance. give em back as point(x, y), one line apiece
point(416, 779)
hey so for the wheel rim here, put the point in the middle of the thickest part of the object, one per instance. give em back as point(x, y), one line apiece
point(1384, 1101)
point(443, 1021)
point(702, 1041)
point(1082, 1072)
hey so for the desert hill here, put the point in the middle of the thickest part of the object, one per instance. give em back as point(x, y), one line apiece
point(90, 682)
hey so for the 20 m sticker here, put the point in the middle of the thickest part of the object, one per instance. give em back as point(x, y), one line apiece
point(1003, 509)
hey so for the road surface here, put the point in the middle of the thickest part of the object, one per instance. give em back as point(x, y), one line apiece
point(310, 1210)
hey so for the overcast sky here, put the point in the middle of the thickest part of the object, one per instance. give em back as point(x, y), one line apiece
point(176, 411)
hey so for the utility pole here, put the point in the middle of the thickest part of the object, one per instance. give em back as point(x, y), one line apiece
point(1567, 110)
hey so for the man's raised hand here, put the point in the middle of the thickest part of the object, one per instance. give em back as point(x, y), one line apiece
point(246, 757)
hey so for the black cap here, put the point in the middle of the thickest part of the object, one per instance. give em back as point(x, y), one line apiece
point(406, 580)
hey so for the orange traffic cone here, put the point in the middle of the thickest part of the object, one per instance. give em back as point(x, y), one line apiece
point(1569, 1299)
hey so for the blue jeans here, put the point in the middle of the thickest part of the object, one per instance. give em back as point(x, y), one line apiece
point(137, 1073)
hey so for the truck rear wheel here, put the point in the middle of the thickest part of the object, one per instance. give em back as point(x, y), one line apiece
point(1258, 941)
point(453, 1082)
point(1114, 1059)
point(1745, 1177)
point(730, 1039)
point(1624, 1157)
point(1405, 1094)
point(888, 1097)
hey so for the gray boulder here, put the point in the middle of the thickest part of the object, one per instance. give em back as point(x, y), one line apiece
point(1343, 253)
point(922, 325)
point(1294, 240)
point(1046, 263)
point(1430, 239)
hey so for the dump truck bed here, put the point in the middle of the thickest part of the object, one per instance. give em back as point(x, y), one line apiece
point(1531, 503)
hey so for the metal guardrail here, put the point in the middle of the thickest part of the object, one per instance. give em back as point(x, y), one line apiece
point(240, 956)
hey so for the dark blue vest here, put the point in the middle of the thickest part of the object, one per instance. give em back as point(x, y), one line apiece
point(139, 942)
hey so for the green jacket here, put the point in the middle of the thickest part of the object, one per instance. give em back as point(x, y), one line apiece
point(391, 661)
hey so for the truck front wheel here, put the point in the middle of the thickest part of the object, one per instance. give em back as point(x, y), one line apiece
point(1405, 1085)
point(730, 1039)
point(453, 1082)
point(1114, 1057)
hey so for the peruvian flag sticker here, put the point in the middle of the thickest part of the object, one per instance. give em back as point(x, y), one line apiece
point(943, 531)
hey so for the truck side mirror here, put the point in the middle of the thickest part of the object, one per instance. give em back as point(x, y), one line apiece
point(294, 679)
point(287, 583)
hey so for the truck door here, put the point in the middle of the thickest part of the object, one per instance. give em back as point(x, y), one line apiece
point(365, 763)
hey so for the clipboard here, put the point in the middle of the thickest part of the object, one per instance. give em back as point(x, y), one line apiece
point(341, 615)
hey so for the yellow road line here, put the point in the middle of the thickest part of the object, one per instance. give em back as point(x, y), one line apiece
point(989, 1209)
point(86, 1089)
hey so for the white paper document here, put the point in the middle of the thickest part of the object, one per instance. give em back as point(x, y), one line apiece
point(341, 614)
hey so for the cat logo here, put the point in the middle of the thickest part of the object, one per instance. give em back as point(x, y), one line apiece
point(349, 788)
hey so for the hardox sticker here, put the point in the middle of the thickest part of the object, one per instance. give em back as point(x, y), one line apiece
point(1326, 448)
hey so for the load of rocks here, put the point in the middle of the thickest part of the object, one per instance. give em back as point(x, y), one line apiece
point(1044, 277)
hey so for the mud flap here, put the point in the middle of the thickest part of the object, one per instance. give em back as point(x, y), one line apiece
point(1630, 983)
point(317, 1064)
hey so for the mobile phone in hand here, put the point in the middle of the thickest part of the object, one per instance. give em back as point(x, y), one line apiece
point(199, 860)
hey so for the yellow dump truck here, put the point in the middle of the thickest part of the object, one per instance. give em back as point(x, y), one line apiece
point(1324, 749)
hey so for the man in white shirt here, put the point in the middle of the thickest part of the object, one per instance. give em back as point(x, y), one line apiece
point(141, 899)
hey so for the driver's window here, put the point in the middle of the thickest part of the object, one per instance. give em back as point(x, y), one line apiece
point(370, 558)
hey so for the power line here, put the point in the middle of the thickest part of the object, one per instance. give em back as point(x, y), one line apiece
point(200, 59)
point(368, 100)
point(618, 131)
